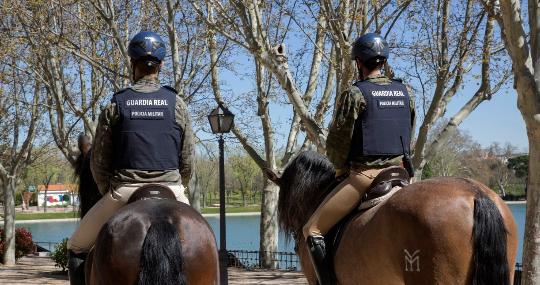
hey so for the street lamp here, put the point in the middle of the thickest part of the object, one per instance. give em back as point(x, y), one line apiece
point(221, 121)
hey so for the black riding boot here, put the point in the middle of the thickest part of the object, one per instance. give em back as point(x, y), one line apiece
point(317, 253)
point(76, 267)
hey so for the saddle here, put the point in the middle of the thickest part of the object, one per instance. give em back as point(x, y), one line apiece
point(386, 184)
point(152, 191)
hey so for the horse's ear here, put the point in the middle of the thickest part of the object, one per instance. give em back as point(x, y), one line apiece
point(272, 175)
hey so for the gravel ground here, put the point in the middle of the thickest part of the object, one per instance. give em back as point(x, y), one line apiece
point(41, 270)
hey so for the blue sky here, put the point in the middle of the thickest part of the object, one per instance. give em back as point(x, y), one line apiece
point(496, 120)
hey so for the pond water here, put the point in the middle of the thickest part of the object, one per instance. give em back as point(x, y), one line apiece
point(242, 231)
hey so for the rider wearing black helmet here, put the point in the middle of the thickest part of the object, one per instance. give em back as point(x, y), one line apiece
point(371, 130)
point(143, 136)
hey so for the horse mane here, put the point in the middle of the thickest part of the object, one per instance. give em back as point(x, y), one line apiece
point(88, 190)
point(303, 186)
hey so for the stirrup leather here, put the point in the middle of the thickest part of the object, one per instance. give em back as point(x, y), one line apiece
point(317, 254)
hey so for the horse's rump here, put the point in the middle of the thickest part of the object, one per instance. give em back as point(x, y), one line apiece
point(426, 233)
point(422, 235)
point(117, 252)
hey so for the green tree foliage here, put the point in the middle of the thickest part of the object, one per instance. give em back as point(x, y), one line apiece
point(520, 165)
point(205, 179)
point(244, 170)
point(494, 165)
point(49, 168)
point(60, 255)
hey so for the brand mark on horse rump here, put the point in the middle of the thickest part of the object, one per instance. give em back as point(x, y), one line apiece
point(412, 261)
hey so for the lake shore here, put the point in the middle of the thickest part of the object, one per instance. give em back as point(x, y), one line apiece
point(516, 202)
point(212, 215)
point(77, 219)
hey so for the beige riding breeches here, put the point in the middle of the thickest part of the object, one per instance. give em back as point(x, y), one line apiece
point(85, 235)
point(340, 202)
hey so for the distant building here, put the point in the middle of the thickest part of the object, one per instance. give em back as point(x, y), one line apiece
point(58, 195)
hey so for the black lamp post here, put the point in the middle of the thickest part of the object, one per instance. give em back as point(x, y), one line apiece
point(221, 121)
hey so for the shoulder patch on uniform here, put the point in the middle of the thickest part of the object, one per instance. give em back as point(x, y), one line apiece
point(170, 88)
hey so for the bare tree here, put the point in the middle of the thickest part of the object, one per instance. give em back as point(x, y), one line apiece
point(441, 56)
point(20, 117)
point(81, 56)
point(260, 29)
point(524, 52)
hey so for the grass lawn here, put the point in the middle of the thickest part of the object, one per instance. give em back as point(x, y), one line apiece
point(44, 216)
point(254, 208)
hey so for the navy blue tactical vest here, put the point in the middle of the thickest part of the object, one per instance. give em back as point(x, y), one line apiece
point(146, 137)
point(385, 122)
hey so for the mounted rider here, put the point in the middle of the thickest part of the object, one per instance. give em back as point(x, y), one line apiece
point(144, 135)
point(371, 130)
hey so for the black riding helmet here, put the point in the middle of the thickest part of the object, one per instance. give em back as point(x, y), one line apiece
point(147, 46)
point(370, 46)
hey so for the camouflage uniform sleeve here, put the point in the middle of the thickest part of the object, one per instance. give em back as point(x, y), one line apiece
point(349, 106)
point(187, 145)
point(102, 149)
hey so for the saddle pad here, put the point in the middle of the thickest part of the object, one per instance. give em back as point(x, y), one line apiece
point(376, 201)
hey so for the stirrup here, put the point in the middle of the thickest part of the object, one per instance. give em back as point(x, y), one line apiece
point(76, 265)
point(317, 254)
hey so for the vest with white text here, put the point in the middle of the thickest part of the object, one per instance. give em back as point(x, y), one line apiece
point(146, 136)
point(384, 128)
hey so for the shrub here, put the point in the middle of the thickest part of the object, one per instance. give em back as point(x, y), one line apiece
point(23, 242)
point(60, 255)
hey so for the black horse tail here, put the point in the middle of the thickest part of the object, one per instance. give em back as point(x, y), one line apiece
point(161, 256)
point(490, 263)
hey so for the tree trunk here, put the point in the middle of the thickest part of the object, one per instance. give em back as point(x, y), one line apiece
point(9, 221)
point(196, 199)
point(269, 225)
point(531, 246)
point(418, 174)
point(203, 195)
point(501, 186)
point(45, 200)
point(195, 194)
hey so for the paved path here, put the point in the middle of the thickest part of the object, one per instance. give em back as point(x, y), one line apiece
point(41, 270)
point(33, 270)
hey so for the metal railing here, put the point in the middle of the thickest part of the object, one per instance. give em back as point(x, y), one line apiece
point(250, 259)
point(47, 245)
point(517, 274)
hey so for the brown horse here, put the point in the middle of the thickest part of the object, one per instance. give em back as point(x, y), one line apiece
point(149, 241)
point(437, 231)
